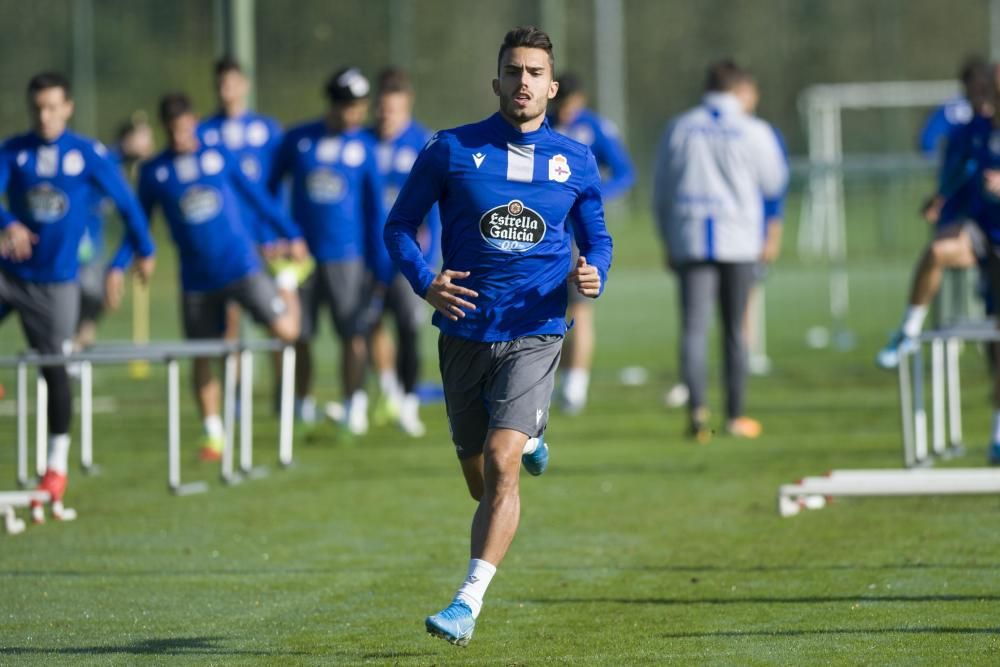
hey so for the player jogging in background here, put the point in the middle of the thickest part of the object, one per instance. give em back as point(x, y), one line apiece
point(134, 144)
point(196, 188)
point(953, 113)
point(337, 199)
point(49, 175)
point(399, 139)
point(958, 242)
point(508, 188)
point(570, 116)
point(714, 165)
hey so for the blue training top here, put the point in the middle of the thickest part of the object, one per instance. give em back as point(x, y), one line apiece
point(952, 114)
point(604, 141)
point(505, 199)
point(395, 159)
point(253, 139)
point(198, 194)
point(51, 188)
point(336, 194)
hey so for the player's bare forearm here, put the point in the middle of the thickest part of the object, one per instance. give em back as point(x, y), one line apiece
point(447, 297)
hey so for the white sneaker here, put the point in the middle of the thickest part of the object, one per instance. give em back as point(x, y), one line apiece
point(677, 396)
point(409, 417)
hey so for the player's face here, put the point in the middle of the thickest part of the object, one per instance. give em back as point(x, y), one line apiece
point(50, 112)
point(138, 144)
point(181, 133)
point(393, 112)
point(232, 88)
point(350, 115)
point(570, 107)
point(525, 84)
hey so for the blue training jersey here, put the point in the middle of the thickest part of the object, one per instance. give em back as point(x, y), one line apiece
point(395, 159)
point(253, 139)
point(336, 192)
point(952, 114)
point(198, 193)
point(506, 198)
point(604, 141)
point(52, 188)
point(960, 175)
point(979, 144)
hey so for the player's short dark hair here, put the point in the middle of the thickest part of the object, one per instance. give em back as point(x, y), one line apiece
point(227, 64)
point(974, 67)
point(347, 85)
point(527, 36)
point(569, 84)
point(45, 80)
point(724, 75)
point(137, 120)
point(393, 80)
point(173, 106)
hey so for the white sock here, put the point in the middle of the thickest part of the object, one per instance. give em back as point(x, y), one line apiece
point(530, 446)
point(358, 403)
point(575, 385)
point(913, 320)
point(388, 384)
point(214, 428)
point(475, 585)
point(996, 430)
point(59, 453)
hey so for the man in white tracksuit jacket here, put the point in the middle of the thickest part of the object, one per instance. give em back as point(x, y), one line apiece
point(713, 166)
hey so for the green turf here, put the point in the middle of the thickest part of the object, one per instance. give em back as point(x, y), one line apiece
point(637, 547)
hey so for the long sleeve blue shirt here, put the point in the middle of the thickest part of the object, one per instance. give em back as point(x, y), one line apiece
point(395, 158)
point(253, 139)
point(51, 188)
point(197, 193)
point(507, 199)
point(336, 192)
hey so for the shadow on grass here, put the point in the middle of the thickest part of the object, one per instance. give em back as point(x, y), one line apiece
point(175, 646)
point(817, 599)
point(932, 630)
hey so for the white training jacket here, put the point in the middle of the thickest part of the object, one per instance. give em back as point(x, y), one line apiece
point(714, 166)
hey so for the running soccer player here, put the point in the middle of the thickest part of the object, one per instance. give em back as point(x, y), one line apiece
point(572, 118)
point(49, 175)
point(958, 242)
point(196, 188)
point(337, 199)
point(399, 138)
point(134, 144)
point(508, 187)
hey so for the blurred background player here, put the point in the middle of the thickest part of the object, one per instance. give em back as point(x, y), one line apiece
point(49, 175)
point(952, 113)
point(713, 166)
point(134, 143)
point(337, 199)
point(958, 242)
point(196, 188)
point(571, 117)
point(399, 139)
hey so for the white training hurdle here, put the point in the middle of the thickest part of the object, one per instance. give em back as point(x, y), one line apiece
point(168, 353)
point(919, 450)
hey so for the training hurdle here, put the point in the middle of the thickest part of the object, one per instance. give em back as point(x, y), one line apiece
point(168, 353)
point(919, 450)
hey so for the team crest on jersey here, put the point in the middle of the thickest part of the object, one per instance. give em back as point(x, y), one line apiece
point(354, 154)
point(47, 203)
point(211, 162)
point(257, 133)
point(513, 227)
point(405, 159)
point(325, 186)
point(250, 168)
point(72, 164)
point(559, 169)
point(328, 150)
point(232, 135)
point(200, 204)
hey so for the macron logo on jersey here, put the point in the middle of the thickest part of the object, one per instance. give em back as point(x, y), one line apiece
point(478, 159)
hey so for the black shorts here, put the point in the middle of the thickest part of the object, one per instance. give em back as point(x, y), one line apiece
point(345, 287)
point(48, 311)
point(204, 313)
point(497, 385)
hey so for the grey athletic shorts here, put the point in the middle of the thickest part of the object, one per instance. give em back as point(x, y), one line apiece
point(48, 311)
point(344, 287)
point(497, 385)
point(204, 313)
point(409, 309)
